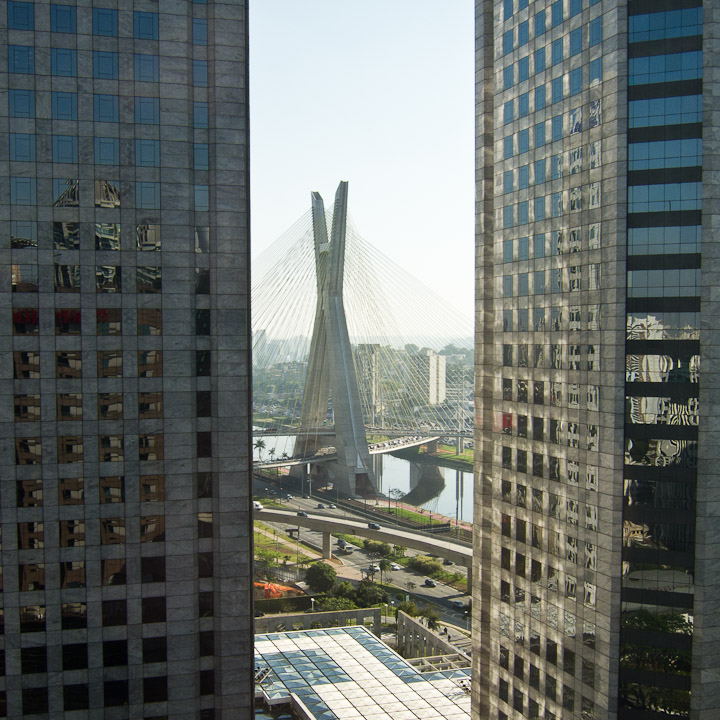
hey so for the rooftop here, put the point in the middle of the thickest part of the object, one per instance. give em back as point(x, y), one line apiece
point(349, 674)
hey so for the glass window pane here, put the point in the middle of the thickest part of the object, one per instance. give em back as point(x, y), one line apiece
point(146, 68)
point(21, 59)
point(107, 151)
point(105, 65)
point(200, 29)
point(146, 25)
point(21, 103)
point(64, 106)
point(105, 22)
point(62, 18)
point(20, 16)
point(147, 110)
point(63, 62)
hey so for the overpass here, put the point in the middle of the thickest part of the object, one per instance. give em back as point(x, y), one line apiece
point(388, 446)
point(328, 524)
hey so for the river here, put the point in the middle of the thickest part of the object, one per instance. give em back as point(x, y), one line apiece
point(440, 490)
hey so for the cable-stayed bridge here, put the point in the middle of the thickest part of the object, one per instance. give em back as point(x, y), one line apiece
point(351, 355)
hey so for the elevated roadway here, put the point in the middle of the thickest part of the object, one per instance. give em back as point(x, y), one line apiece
point(328, 524)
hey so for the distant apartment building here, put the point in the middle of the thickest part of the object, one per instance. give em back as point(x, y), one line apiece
point(124, 411)
point(427, 377)
point(596, 443)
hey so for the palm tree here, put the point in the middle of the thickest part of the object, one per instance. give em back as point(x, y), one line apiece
point(385, 565)
point(259, 446)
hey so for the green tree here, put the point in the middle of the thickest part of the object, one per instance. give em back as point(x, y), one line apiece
point(432, 617)
point(320, 577)
point(385, 566)
point(425, 565)
point(399, 550)
point(368, 594)
point(329, 604)
point(344, 589)
point(259, 446)
point(408, 607)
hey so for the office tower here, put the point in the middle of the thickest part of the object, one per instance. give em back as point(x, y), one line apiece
point(125, 360)
point(597, 442)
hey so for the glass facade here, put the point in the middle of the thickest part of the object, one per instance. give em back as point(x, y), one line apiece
point(592, 208)
point(106, 189)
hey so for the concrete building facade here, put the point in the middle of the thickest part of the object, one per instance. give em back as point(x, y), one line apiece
point(596, 333)
point(125, 358)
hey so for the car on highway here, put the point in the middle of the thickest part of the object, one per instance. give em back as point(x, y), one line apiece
point(373, 526)
point(332, 506)
point(302, 513)
point(429, 583)
point(395, 566)
point(320, 506)
point(288, 497)
point(459, 604)
point(257, 505)
point(306, 497)
point(273, 492)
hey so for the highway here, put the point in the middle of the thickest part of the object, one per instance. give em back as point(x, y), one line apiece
point(406, 580)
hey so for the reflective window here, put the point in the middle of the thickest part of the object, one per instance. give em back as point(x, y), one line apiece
point(105, 22)
point(200, 31)
point(107, 194)
point(112, 531)
point(149, 322)
point(152, 488)
point(109, 321)
point(150, 405)
point(111, 448)
point(64, 105)
point(202, 197)
point(665, 68)
point(73, 615)
point(665, 111)
point(200, 156)
point(24, 278)
point(115, 653)
point(146, 25)
point(107, 236)
point(67, 278)
point(21, 103)
point(664, 198)
point(665, 240)
point(64, 148)
point(153, 610)
point(146, 68)
point(70, 449)
point(107, 151)
point(147, 110)
point(110, 406)
point(664, 283)
point(200, 114)
point(105, 64)
point(150, 363)
point(71, 491)
point(29, 493)
point(200, 73)
point(21, 59)
point(68, 364)
point(147, 195)
point(106, 108)
point(22, 191)
point(27, 408)
point(22, 147)
point(62, 18)
point(63, 62)
point(147, 153)
point(664, 154)
point(109, 363)
point(72, 533)
point(152, 569)
point(149, 279)
point(152, 528)
point(114, 612)
point(148, 238)
point(20, 15)
point(108, 278)
point(673, 23)
point(111, 489)
point(69, 406)
point(508, 77)
point(150, 447)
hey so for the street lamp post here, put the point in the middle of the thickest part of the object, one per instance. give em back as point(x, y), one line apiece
point(312, 604)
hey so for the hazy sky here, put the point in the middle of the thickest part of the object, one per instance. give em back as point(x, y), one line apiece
point(378, 93)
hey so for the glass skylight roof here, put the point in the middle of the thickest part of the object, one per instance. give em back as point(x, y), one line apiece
point(349, 674)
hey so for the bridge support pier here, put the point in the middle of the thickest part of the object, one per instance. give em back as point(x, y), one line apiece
point(327, 545)
point(469, 581)
point(432, 446)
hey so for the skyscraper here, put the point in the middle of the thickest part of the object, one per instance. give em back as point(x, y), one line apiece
point(124, 436)
point(597, 443)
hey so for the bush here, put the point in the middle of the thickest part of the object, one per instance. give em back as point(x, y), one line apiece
point(425, 565)
point(381, 548)
point(336, 603)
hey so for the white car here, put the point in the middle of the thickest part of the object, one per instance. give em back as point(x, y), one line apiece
point(395, 566)
point(257, 505)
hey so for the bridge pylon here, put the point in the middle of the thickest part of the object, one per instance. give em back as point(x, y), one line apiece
point(331, 370)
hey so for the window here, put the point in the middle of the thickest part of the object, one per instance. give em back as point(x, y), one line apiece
point(576, 41)
point(65, 148)
point(523, 177)
point(107, 151)
point(116, 692)
point(107, 193)
point(202, 197)
point(524, 105)
point(105, 22)
point(70, 491)
point(152, 488)
point(21, 59)
point(539, 136)
point(146, 26)
point(202, 363)
point(22, 191)
point(539, 23)
point(507, 42)
point(575, 7)
point(108, 278)
point(556, 52)
point(523, 141)
point(508, 77)
point(200, 31)
point(523, 32)
point(539, 167)
point(507, 147)
point(596, 31)
point(154, 649)
point(575, 81)
point(76, 697)
point(63, 62)
point(34, 700)
point(146, 68)
point(21, 103)
point(148, 238)
point(540, 100)
point(62, 18)
point(539, 215)
point(147, 195)
point(149, 279)
point(200, 73)
point(539, 60)
point(153, 610)
point(523, 69)
point(64, 105)
point(557, 128)
point(507, 9)
point(523, 213)
point(596, 74)
point(557, 89)
point(149, 322)
point(200, 156)
point(152, 569)
point(106, 108)
point(109, 363)
point(22, 147)
point(200, 114)
point(20, 16)
point(508, 113)
point(508, 216)
point(147, 153)
point(147, 110)
point(105, 64)
point(556, 10)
